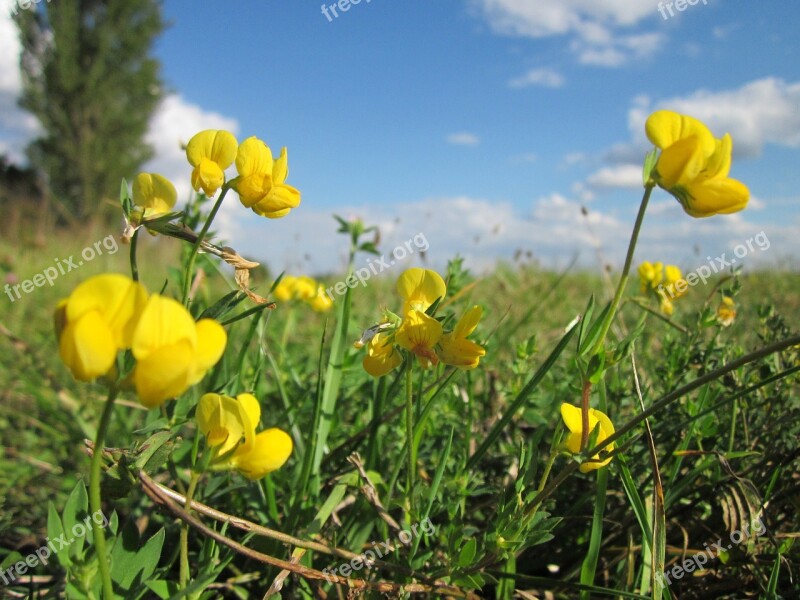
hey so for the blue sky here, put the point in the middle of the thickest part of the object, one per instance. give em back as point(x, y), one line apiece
point(484, 124)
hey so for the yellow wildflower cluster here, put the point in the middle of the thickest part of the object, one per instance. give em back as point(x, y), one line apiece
point(418, 332)
point(694, 165)
point(662, 281)
point(109, 313)
point(229, 425)
point(261, 182)
point(303, 288)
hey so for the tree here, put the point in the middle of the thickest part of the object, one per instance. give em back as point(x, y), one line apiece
point(89, 78)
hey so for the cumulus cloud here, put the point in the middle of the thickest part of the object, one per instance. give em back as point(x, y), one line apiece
point(761, 112)
point(463, 138)
point(601, 30)
point(627, 176)
point(538, 77)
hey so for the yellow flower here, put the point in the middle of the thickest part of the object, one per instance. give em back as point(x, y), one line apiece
point(574, 422)
point(305, 288)
point(726, 312)
point(270, 450)
point(419, 334)
point(456, 349)
point(322, 302)
point(651, 275)
point(673, 275)
point(96, 322)
point(154, 194)
point(210, 152)
point(284, 291)
point(228, 423)
point(382, 357)
point(261, 183)
point(172, 351)
point(694, 165)
point(667, 307)
point(230, 428)
point(420, 288)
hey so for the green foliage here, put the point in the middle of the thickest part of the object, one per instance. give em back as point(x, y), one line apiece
point(90, 80)
point(488, 447)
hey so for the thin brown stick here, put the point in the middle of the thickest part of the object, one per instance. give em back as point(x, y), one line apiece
point(369, 491)
point(155, 493)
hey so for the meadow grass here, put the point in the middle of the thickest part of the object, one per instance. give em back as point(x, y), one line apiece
point(727, 452)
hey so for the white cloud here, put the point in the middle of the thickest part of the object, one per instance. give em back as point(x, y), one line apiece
point(463, 138)
point(540, 77)
point(17, 127)
point(761, 112)
point(618, 51)
point(600, 29)
point(626, 176)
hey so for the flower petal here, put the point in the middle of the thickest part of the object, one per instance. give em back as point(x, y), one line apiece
point(211, 341)
point(164, 322)
point(154, 192)
point(254, 157)
point(163, 373)
point(420, 288)
point(117, 298)
point(87, 346)
point(665, 128)
point(269, 452)
point(717, 196)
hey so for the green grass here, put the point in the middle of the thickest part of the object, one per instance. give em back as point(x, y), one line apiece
point(727, 451)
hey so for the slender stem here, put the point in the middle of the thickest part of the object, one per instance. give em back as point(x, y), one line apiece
point(412, 462)
point(587, 389)
point(732, 432)
point(623, 280)
point(95, 501)
point(184, 538)
point(187, 282)
point(134, 266)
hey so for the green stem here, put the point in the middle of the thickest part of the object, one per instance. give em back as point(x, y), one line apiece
point(187, 282)
point(412, 462)
point(134, 267)
point(587, 389)
point(184, 538)
point(95, 501)
point(623, 280)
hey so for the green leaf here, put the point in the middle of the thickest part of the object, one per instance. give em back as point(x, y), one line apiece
point(594, 332)
point(73, 518)
point(649, 164)
point(155, 451)
point(55, 532)
point(223, 306)
point(130, 568)
point(467, 553)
